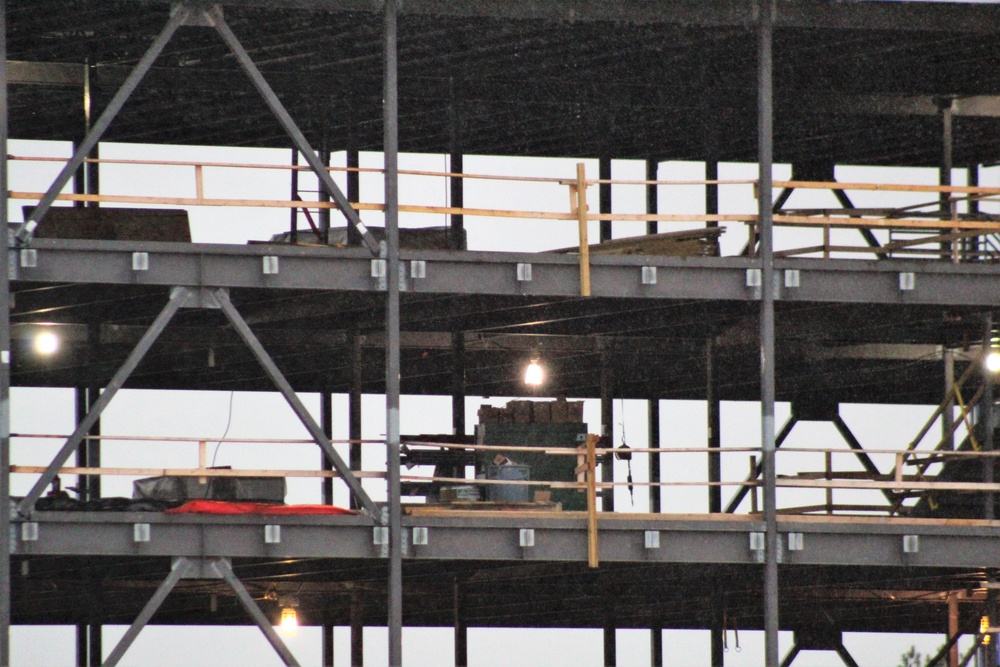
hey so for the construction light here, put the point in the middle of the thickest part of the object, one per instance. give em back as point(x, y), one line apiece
point(534, 374)
point(289, 624)
point(46, 343)
point(993, 362)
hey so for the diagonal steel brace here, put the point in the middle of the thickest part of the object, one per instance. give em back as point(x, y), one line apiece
point(225, 570)
point(181, 567)
point(243, 329)
point(178, 16)
point(215, 17)
point(179, 297)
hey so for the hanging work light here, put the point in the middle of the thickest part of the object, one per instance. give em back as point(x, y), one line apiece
point(534, 374)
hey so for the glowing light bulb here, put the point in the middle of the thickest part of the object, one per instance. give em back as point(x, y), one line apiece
point(289, 621)
point(534, 374)
point(993, 362)
point(46, 343)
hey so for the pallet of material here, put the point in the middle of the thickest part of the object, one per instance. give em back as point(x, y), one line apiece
point(701, 242)
point(559, 411)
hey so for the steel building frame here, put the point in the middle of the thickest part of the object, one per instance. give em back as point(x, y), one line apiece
point(203, 275)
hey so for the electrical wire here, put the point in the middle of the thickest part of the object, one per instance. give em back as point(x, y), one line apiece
point(229, 422)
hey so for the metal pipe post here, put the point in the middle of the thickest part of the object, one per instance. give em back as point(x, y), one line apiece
point(390, 147)
point(610, 642)
point(655, 494)
point(652, 194)
point(327, 645)
point(948, 414)
point(987, 418)
point(5, 542)
point(604, 192)
point(765, 148)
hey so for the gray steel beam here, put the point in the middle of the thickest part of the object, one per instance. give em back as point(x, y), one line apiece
point(208, 265)
point(354, 410)
point(390, 148)
point(223, 567)
point(326, 423)
point(180, 568)
point(5, 304)
point(283, 386)
point(717, 539)
point(652, 194)
point(656, 646)
point(765, 149)
point(178, 15)
point(892, 16)
point(179, 297)
point(294, 133)
point(357, 622)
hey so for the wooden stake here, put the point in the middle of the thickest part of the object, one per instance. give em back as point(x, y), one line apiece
point(592, 560)
point(581, 216)
point(202, 460)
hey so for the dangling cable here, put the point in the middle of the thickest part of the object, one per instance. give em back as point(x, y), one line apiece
point(229, 422)
point(624, 453)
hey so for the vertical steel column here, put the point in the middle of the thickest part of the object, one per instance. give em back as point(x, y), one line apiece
point(652, 194)
point(655, 492)
point(324, 196)
point(948, 414)
point(717, 629)
point(326, 423)
point(765, 148)
point(714, 428)
point(461, 629)
point(604, 192)
point(327, 645)
point(390, 146)
point(974, 244)
point(711, 189)
point(354, 409)
point(456, 231)
point(656, 645)
point(608, 432)
point(947, 203)
point(610, 642)
point(357, 631)
point(5, 543)
point(987, 418)
point(293, 213)
point(353, 185)
point(458, 383)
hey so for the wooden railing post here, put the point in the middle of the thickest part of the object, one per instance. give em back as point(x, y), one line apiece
point(581, 216)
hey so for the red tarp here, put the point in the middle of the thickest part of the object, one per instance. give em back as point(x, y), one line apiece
point(224, 507)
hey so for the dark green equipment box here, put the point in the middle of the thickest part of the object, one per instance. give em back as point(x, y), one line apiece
point(544, 467)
